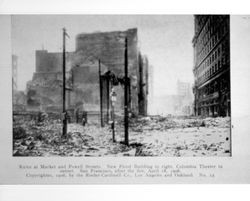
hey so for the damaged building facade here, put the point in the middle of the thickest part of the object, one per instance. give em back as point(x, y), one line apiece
point(99, 53)
point(211, 45)
point(108, 48)
point(44, 91)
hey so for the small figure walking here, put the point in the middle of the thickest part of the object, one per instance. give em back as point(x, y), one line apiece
point(77, 115)
point(84, 118)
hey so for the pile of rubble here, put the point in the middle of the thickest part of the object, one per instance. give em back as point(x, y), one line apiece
point(151, 123)
point(28, 135)
point(44, 138)
point(149, 136)
point(159, 123)
point(221, 122)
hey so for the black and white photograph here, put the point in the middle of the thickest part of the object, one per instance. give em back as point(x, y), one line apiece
point(121, 86)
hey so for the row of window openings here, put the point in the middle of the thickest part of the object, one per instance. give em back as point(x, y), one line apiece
point(214, 57)
point(209, 61)
point(215, 33)
point(205, 47)
point(210, 28)
point(212, 20)
point(216, 52)
point(211, 71)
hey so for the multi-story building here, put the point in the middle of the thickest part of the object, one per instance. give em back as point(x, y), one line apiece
point(44, 91)
point(184, 99)
point(183, 89)
point(109, 48)
point(106, 49)
point(211, 70)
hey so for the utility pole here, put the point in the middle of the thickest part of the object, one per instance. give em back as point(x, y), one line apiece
point(126, 93)
point(113, 100)
point(64, 131)
point(100, 83)
point(107, 82)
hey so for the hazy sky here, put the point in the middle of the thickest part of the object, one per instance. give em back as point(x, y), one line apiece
point(165, 39)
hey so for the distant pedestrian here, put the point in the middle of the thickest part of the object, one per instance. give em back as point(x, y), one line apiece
point(84, 118)
point(77, 115)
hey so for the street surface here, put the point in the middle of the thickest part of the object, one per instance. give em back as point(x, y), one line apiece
point(148, 136)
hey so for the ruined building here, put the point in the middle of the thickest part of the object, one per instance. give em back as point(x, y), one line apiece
point(151, 98)
point(109, 47)
point(211, 70)
point(44, 91)
point(143, 84)
point(99, 51)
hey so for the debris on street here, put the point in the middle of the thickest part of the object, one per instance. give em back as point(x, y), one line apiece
point(149, 136)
